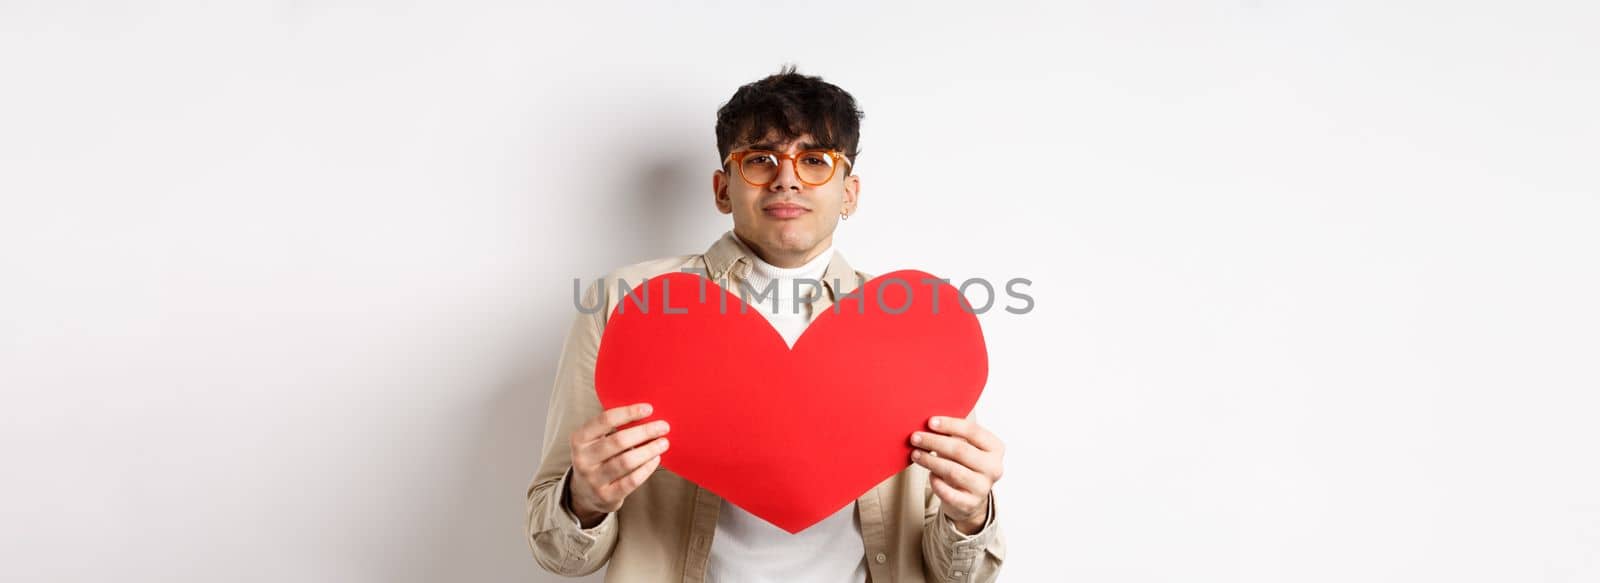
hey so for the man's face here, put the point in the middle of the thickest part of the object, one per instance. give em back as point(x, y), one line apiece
point(787, 222)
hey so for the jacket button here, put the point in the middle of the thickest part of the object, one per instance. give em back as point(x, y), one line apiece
point(882, 557)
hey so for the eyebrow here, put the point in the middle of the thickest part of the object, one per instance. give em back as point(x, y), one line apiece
point(774, 147)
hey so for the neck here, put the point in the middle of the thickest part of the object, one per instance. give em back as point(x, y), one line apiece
point(763, 275)
point(789, 259)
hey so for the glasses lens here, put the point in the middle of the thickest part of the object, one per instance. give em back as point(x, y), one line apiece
point(814, 167)
point(759, 167)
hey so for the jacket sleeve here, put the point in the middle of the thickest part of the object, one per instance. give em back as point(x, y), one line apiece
point(559, 543)
point(949, 555)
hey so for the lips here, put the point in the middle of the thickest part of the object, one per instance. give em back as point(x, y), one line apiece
point(784, 210)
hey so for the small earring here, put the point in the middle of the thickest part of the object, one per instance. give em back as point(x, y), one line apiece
point(844, 216)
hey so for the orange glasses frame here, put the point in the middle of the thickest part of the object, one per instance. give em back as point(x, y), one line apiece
point(737, 158)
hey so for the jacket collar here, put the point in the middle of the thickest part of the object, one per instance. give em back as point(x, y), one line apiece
point(730, 256)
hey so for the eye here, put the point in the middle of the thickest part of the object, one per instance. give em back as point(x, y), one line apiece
point(761, 159)
point(814, 159)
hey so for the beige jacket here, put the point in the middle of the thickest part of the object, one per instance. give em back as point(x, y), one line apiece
point(664, 529)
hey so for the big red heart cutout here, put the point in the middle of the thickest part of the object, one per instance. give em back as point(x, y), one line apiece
point(792, 435)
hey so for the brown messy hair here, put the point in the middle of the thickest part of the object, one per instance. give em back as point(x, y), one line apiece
point(793, 105)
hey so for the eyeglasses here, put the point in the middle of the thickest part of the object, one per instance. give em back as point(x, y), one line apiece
point(759, 168)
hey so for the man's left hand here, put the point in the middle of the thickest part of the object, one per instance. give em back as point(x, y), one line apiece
point(964, 460)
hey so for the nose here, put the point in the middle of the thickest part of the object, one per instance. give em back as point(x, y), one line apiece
point(786, 179)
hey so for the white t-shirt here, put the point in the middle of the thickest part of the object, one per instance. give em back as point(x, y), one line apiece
point(747, 549)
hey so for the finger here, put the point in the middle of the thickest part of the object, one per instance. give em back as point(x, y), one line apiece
point(954, 448)
point(630, 482)
point(609, 421)
point(956, 474)
point(601, 450)
point(969, 429)
point(963, 502)
point(624, 463)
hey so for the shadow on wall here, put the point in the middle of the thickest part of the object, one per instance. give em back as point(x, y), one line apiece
point(661, 208)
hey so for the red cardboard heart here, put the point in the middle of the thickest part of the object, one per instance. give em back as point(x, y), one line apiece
point(792, 435)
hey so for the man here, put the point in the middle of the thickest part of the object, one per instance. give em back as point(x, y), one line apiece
point(788, 145)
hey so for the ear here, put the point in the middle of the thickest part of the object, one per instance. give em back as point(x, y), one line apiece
point(852, 193)
point(719, 192)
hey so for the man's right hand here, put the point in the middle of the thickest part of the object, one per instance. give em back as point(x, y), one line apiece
point(608, 465)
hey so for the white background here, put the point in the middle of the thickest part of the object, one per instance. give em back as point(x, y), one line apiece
point(282, 284)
